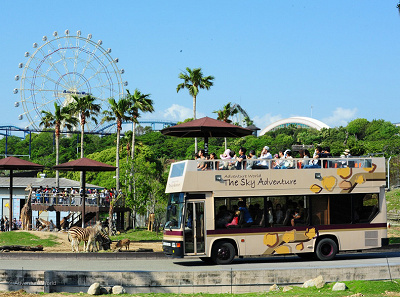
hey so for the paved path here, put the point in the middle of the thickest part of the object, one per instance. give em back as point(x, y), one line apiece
point(87, 262)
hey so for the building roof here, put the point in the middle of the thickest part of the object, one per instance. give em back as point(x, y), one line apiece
point(23, 182)
point(300, 121)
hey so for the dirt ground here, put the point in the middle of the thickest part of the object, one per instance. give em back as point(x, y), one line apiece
point(64, 245)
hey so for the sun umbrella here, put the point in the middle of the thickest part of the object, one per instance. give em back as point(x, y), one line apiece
point(84, 164)
point(206, 127)
point(14, 163)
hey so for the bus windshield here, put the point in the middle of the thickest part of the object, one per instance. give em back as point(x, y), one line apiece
point(174, 211)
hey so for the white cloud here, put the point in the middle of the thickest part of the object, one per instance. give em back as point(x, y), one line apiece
point(265, 120)
point(340, 117)
point(174, 113)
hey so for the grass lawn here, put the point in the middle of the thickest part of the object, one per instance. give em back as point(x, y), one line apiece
point(139, 234)
point(26, 239)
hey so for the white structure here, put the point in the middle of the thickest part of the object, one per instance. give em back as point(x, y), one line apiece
point(300, 122)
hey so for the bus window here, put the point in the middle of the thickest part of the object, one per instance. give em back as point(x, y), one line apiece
point(340, 209)
point(365, 207)
point(174, 211)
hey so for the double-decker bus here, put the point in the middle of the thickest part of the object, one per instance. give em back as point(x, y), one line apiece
point(218, 215)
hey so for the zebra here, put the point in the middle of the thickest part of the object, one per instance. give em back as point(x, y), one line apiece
point(104, 242)
point(88, 235)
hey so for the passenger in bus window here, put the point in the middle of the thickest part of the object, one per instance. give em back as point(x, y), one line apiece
point(223, 217)
point(279, 214)
point(298, 216)
point(235, 220)
point(247, 219)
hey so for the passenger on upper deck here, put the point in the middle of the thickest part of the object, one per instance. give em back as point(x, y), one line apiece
point(288, 163)
point(251, 164)
point(210, 164)
point(315, 163)
point(265, 154)
point(241, 159)
point(202, 163)
point(225, 156)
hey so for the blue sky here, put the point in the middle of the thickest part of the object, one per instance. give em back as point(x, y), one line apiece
point(337, 59)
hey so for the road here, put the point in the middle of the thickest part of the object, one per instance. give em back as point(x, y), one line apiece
point(167, 264)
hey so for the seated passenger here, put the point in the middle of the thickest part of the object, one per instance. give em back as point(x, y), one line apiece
point(288, 163)
point(225, 156)
point(247, 219)
point(266, 155)
point(278, 214)
point(241, 159)
point(223, 217)
point(316, 163)
point(202, 157)
point(279, 160)
point(251, 164)
point(235, 220)
point(210, 165)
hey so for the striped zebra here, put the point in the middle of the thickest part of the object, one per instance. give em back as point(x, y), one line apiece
point(87, 235)
point(103, 241)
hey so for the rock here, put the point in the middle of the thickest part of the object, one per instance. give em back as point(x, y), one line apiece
point(286, 288)
point(118, 290)
point(319, 282)
point(308, 284)
point(274, 288)
point(94, 289)
point(105, 290)
point(339, 287)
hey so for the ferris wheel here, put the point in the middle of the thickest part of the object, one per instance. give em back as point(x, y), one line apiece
point(64, 66)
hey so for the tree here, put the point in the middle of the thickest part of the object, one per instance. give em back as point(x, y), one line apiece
point(61, 117)
point(85, 109)
point(193, 80)
point(225, 113)
point(138, 103)
point(117, 112)
point(358, 128)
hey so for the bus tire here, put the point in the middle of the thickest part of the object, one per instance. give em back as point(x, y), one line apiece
point(223, 252)
point(326, 249)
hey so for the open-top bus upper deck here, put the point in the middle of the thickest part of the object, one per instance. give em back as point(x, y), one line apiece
point(334, 176)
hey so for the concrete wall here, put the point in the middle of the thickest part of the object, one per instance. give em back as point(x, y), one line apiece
point(224, 281)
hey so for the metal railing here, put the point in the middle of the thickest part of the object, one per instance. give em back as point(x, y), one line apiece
point(74, 200)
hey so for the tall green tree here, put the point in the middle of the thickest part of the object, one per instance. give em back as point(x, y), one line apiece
point(85, 109)
point(193, 80)
point(118, 111)
point(138, 103)
point(61, 118)
point(225, 113)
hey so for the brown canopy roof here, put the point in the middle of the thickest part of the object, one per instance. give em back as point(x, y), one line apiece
point(206, 127)
point(84, 164)
point(13, 163)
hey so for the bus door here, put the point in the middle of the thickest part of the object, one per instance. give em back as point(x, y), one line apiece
point(194, 240)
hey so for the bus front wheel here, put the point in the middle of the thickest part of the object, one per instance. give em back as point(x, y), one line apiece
point(222, 253)
point(326, 249)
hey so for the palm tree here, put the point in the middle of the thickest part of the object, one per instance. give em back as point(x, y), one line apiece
point(225, 113)
point(85, 109)
point(118, 112)
point(193, 80)
point(61, 117)
point(138, 103)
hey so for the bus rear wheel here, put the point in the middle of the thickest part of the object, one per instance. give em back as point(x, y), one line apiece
point(223, 253)
point(326, 249)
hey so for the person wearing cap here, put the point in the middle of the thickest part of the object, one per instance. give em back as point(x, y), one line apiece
point(265, 154)
point(346, 153)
